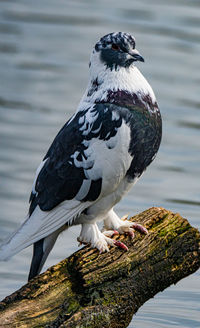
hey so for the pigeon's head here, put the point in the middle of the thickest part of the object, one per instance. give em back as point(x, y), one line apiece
point(117, 50)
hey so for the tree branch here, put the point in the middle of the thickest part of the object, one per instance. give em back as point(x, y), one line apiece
point(89, 289)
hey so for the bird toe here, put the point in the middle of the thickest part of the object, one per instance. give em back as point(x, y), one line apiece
point(140, 228)
point(110, 233)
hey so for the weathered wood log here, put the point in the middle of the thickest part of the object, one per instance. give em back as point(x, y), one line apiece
point(89, 289)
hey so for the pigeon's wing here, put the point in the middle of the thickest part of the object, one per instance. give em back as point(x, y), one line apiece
point(86, 161)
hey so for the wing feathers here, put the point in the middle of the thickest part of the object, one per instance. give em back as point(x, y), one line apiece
point(38, 226)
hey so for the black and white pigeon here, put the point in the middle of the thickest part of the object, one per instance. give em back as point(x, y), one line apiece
point(96, 158)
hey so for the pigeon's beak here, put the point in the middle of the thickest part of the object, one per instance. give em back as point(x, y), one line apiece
point(136, 55)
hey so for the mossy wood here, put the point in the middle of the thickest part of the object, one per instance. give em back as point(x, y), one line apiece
point(89, 289)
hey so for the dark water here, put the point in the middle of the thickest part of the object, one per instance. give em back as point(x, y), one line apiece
point(44, 51)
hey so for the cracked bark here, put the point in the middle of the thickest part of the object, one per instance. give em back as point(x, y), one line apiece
point(92, 290)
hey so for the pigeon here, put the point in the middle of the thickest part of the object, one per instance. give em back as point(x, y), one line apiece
point(95, 159)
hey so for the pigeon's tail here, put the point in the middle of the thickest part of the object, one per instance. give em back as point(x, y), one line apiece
point(41, 250)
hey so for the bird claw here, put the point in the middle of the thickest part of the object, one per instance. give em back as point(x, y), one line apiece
point(102, 245)
point(110, 233)
point(129, 228)
point(121, 245)
point(82, 242)
point(140, 228)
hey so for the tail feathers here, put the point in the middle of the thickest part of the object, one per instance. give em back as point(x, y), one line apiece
point(41, 250)
point(38, 254)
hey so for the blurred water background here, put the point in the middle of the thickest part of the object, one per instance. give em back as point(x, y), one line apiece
point(44, 52)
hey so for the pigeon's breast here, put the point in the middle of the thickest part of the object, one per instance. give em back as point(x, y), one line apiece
point(141, 100)
point(142, 114)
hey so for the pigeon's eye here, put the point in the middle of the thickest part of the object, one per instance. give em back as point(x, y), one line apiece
point(115, 46)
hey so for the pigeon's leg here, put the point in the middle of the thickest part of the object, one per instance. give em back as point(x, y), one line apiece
point(113, 222)
point(90, 234)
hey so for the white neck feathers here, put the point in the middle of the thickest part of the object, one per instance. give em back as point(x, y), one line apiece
point(103, 79)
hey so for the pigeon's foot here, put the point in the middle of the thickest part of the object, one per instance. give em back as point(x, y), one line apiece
point(91, 235)
point(122, 226)
point(129, 228)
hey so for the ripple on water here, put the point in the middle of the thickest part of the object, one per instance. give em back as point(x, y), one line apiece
point(183, 201)
point(8, 48)
point(44, 18)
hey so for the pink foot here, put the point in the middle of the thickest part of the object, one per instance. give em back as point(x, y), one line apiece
point(121, 245)
point(140, 228)
point(110, 233)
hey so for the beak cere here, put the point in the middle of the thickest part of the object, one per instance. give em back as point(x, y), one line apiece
point(136, 55)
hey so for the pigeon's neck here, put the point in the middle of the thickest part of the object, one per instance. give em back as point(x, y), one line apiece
point(104, 82)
